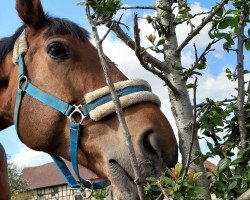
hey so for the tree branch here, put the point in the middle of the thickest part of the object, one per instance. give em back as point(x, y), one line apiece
point(240, 75)
point(137, 7)
point(161, 66)
point(244, 196)
point(138, 178)
point(159, 184)
point(195, 15)
point(194, 131)
point(200, 27)
point(217, 102)
point(139, 53)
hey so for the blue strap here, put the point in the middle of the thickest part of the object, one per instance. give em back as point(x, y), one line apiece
point(21, 67)
point(74, 138)
point(65, 109)
point(47, 99)
point(108, 97)
point(19, 98)
point(65, 172)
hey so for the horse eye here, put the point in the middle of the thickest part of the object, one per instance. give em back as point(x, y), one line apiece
point(57, 51)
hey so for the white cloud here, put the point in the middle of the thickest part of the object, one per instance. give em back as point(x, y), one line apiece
point(29, 158)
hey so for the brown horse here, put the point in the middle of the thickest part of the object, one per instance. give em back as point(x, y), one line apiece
point(61, 61)
point(4, 185)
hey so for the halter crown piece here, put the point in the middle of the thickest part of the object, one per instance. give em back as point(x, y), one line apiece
point(98, 105)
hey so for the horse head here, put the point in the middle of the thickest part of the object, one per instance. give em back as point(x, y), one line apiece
point(61, 61)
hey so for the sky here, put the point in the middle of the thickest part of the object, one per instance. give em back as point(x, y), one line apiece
point(212, 84)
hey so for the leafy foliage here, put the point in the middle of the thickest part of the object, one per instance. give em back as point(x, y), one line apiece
point(17, 183)
point(100, 194)
point(175, 184)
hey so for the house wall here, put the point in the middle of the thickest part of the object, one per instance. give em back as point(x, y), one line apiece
point(62, 192)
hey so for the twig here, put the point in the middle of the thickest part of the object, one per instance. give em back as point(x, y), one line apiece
point(161, 66)
point(194, 131)
point(161, 188)
point(206, 51)
point(106, 34)
point(195, 15)
point(137, 7)
point(118, 108)
point(200, 27)
point(217, 102)
point(187, 14)
point(199, 58)
point(145, 61)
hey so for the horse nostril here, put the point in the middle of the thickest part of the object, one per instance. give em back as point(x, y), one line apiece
point(150, 143)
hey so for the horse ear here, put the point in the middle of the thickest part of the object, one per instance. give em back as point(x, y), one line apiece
point(31, 12)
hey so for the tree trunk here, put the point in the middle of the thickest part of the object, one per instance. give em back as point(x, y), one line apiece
point(180, 101)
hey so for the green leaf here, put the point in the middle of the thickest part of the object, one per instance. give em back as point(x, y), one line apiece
point(151, 38)
point(178, 167)
point(239, 160)
point(246, 174)
point(190, 85)
point(196, 176)
point(220, 12)
point(248, 32)
point(197, 73)
point(236, 177)
point(80, 4)
point(232, 185)
point(243, 151)
point(168, 181)
point(211, 35)
point(228, 21)
point(229, 39)
point(223, 164)
point(197, 161)
point(210, 146)
point(160, 42)
point(247, 44)
point(226, 46)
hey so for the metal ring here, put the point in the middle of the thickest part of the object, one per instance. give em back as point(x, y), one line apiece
point(76, 110)
point(82, 189)
point(22, 81)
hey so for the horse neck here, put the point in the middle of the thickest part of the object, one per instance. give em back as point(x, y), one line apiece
point(8, 86)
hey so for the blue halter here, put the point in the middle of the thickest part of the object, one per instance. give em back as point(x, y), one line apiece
point(24, 86)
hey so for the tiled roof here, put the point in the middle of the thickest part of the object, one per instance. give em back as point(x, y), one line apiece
point(209, 166)
point(48, 175)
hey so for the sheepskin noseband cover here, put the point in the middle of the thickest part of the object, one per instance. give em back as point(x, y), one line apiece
point(127, 100)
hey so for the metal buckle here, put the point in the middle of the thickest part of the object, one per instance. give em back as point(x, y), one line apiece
point(83, 189)
point(22, 81)
point(76, 110)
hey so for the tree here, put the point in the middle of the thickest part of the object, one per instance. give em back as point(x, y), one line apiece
point(229, 20)
point(16, 182)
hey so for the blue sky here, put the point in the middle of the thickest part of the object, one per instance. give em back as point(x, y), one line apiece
point(9, 22)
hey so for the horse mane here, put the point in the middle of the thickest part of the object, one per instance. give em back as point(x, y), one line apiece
point(57, 26)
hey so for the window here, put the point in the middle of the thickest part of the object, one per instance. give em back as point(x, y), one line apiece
point(78, 197)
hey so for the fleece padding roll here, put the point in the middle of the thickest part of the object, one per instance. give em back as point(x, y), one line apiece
point(127, 100)
point(20, 46)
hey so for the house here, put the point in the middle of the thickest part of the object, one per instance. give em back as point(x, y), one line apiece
point(45, 182)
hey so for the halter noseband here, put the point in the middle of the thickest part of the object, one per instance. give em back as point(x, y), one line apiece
point(129, 92)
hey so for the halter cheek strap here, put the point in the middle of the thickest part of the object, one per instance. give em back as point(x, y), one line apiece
point(66, 109)
point(101, 98)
